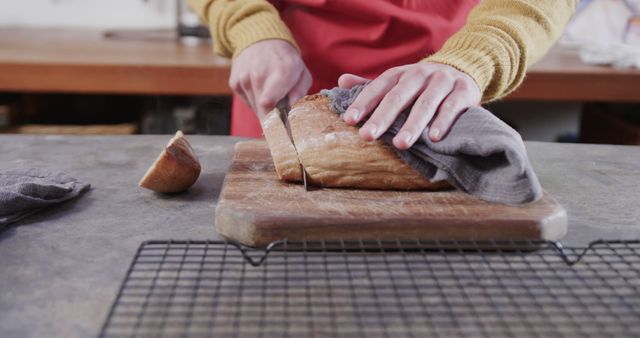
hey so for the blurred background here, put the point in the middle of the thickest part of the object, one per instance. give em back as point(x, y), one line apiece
point(134, 66)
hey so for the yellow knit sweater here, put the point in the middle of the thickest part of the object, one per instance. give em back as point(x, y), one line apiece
point(499, 41)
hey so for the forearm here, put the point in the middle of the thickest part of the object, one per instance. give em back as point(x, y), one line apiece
point(236, 24)
point(502, 38)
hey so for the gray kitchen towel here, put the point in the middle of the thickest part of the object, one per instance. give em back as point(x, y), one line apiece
point(481, 155)
point(24, 192)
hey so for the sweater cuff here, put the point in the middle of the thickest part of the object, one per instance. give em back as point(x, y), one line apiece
point(257, 27)
point(473, 54)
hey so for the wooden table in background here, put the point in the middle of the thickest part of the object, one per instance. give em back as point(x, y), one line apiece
point(156, 63)
point(85, 61)
point(561, 76)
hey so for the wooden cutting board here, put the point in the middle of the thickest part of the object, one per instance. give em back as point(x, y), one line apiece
point(255, 208)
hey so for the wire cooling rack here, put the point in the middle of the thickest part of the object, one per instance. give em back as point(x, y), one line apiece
point(379, 289)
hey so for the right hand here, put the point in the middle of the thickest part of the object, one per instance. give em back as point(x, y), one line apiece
point(266, 71)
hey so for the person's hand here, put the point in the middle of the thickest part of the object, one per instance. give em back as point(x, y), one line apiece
point(266, 71)
point(441, 93)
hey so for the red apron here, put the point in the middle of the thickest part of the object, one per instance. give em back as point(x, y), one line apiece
point(363, 37)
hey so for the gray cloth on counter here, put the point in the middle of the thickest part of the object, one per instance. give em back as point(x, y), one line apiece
point(481, 155)
point(24, 192)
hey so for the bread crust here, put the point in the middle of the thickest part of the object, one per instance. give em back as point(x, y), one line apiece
point(333, 153)
point(175, 170)
point(285, 157)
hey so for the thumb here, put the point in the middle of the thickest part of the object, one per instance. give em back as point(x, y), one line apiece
point(349, 80)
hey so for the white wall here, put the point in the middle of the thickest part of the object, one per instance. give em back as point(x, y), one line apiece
point(88, 13)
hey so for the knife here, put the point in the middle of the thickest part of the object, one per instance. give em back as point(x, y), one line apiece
point(283, 110)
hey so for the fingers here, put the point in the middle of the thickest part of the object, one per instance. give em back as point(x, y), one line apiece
point(424, 109)
point(370, 97)
point(272, 90)
point(262, 82)
point(443, 93)
point(462, 97)
point(350, 80)
point(301, 88)
point(242, 88)
point(411, 84)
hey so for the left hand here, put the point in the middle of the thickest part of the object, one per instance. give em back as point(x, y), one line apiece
point(441, 93)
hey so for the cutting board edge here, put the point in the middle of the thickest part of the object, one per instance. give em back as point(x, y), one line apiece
point(556, 225)
point(236, 225)
point(253, 228)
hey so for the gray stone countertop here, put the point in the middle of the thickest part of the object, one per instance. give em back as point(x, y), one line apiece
point(61, 268)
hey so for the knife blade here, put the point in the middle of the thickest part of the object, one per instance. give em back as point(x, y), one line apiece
point(283, 110)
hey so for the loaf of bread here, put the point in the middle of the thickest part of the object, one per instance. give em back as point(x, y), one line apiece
point(333, 153)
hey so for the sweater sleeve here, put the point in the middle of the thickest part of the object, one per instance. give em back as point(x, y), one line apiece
point(236, 24)
point(502, 38)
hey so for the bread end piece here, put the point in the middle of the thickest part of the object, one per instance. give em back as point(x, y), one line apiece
point(175, 170)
